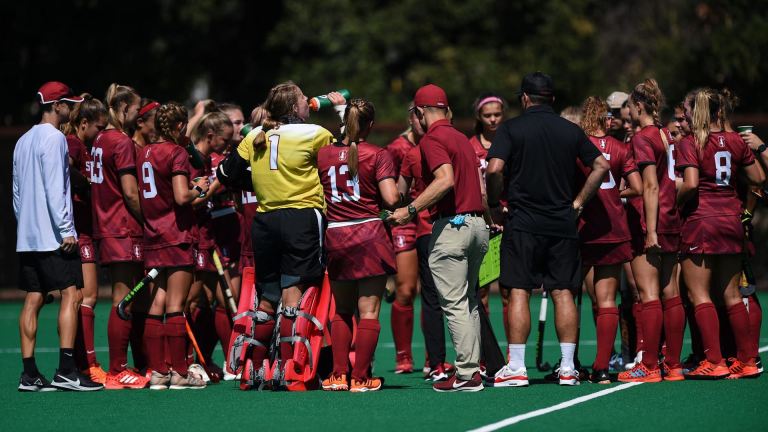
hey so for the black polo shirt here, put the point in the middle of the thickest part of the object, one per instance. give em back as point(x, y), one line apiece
point(539, 149)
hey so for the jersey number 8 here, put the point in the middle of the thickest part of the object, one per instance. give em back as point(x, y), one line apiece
point(723, 168)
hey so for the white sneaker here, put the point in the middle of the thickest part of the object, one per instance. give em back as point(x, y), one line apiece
point(229, 377)
point(199, 372)
point(638, 359)
point(568, 377)
point(507, 377)
point(192, 381)
point(158, 381)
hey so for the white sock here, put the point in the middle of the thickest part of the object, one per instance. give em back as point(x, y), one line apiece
point(516, 356)
point(566, 353)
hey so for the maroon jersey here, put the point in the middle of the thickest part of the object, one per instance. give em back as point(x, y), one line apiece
point(398, 149)
point(480, 151)
point(604, 219)
point(649, 149)
point(346, 197)
point(203, 228)
point(81, 200)
point(250, 207)
point(411, 168)
point(223, 197)
point(165, 222)
point(719, 162)
point(114, 154)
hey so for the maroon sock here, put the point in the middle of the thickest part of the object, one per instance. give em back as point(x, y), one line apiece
point(755, 321)
point(653, 318)
point(341, 333)
point(606, 322)
point(505, 318)
point(739, 318)
point(637, 314)
point(674, 328)
point(154, 340)
point(138, 350)
point(286, 330)
point(709, 328)
point(118, 334)
point(402, 329)
point(367, 338)
point(87, 318)
point(223, 326)
point(262, 333)
point(176, 335)
point(205, 330)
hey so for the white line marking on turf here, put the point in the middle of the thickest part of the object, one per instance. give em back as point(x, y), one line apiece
point(539, 412)
point(763, 349)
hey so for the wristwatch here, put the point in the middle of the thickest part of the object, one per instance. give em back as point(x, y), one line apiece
point(201, 193)
point(411, 210)
point(761, 148)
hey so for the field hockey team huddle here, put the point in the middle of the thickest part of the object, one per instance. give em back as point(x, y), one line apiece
point(157, 187)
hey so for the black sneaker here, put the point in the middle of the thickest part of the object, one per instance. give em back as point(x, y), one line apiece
point(600, 377)
point(34, 384)
point(75, 381)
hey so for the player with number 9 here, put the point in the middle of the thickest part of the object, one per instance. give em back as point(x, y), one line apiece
point(711, 161)
point(166, 199)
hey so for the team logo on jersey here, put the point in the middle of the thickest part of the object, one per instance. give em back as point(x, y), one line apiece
point(200, 260)
point(602, 144)
point(721, 141)
point(85, 252)
point(137, 251)
point(400, 241)
point(343, 155)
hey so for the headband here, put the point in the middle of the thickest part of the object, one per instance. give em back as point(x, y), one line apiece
point(489, 99)
point(147, 108)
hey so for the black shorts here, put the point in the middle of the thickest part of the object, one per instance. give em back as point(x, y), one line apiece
point(529, 261)
point(49, 271)
point(288, 249)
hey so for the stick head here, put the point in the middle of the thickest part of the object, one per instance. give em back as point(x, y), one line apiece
point(543, 367)
point(121, 312)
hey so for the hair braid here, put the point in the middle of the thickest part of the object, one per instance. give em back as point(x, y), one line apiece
point(168, 116)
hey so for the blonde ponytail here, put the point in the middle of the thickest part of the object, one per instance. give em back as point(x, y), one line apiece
point(706, 108)
point(117, 97)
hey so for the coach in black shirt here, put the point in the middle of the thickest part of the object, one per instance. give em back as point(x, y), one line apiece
point(540, 246)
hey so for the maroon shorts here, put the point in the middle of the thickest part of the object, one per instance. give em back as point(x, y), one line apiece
point(182, 255)
point(120, 249)
point(359, 251)
point(404, 237)
point(717, 235)
point(670, 243)
point(226, 234)
point(246, 260)
point(603, 254)
point(203, 260)
point(87, 251)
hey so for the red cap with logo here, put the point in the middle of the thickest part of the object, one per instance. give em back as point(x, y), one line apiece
point(430, 95)
point(54, 91)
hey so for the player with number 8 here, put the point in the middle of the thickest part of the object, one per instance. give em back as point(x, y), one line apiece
point(711, 160)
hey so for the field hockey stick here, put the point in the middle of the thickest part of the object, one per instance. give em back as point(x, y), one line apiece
point(545, 366)
point(213, 376)
point(128, 299)
point(224, 285)
point(576, 362)
point(489, 345)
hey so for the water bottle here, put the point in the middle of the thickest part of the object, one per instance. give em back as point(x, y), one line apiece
point(246, 129)
point(318, 102)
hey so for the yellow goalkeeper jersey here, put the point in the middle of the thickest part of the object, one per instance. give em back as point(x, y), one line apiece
point(284, 170)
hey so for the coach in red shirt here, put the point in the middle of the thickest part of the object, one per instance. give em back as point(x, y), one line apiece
point(459, 233)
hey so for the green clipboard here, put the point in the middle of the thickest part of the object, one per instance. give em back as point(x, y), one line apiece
point(491, 266)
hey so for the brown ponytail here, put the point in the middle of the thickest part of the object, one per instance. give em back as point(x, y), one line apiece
point(117, 97)
point(357, 118)
point(650, 96)
point(168, 116)
point(706, 109)
point(728, 104)
point(89, 109)
point(593, 110)
point(280, 102)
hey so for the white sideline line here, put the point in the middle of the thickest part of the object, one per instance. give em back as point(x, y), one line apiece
point(763, 349)
point(539, 412)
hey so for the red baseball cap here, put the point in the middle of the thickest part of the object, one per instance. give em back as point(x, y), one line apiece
point(430, 95)
point(54, 91)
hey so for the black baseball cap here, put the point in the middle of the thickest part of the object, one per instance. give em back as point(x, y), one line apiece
point(537, 83)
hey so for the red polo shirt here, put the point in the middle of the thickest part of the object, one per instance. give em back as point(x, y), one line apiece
point(443, 144)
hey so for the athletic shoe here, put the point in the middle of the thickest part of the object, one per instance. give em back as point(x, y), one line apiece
point(336, 383)
point(568, 377)
point(555, 374)
point(707, 370)
point(191, 381)
point(759, 364)
point(632, 364)
point(370, 384)
point(159, 381)
point(127, 379)
point(438, 374)
point(426, 369)
point(616, 363)
point(508, 377)
point(690, 363)
point(671, 374)
point(230, 377)
point(36, 383)
point(74, 381)
point(455, 384)
point(600, 377)
point(739, 369)
point(199, 372)
point(483, 373)
point(96, 373)
point(640, 373)
point(404, 365)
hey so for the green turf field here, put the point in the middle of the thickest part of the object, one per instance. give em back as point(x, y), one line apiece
point(405, 403)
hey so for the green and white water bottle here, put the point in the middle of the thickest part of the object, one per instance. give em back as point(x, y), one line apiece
point(318, 102)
